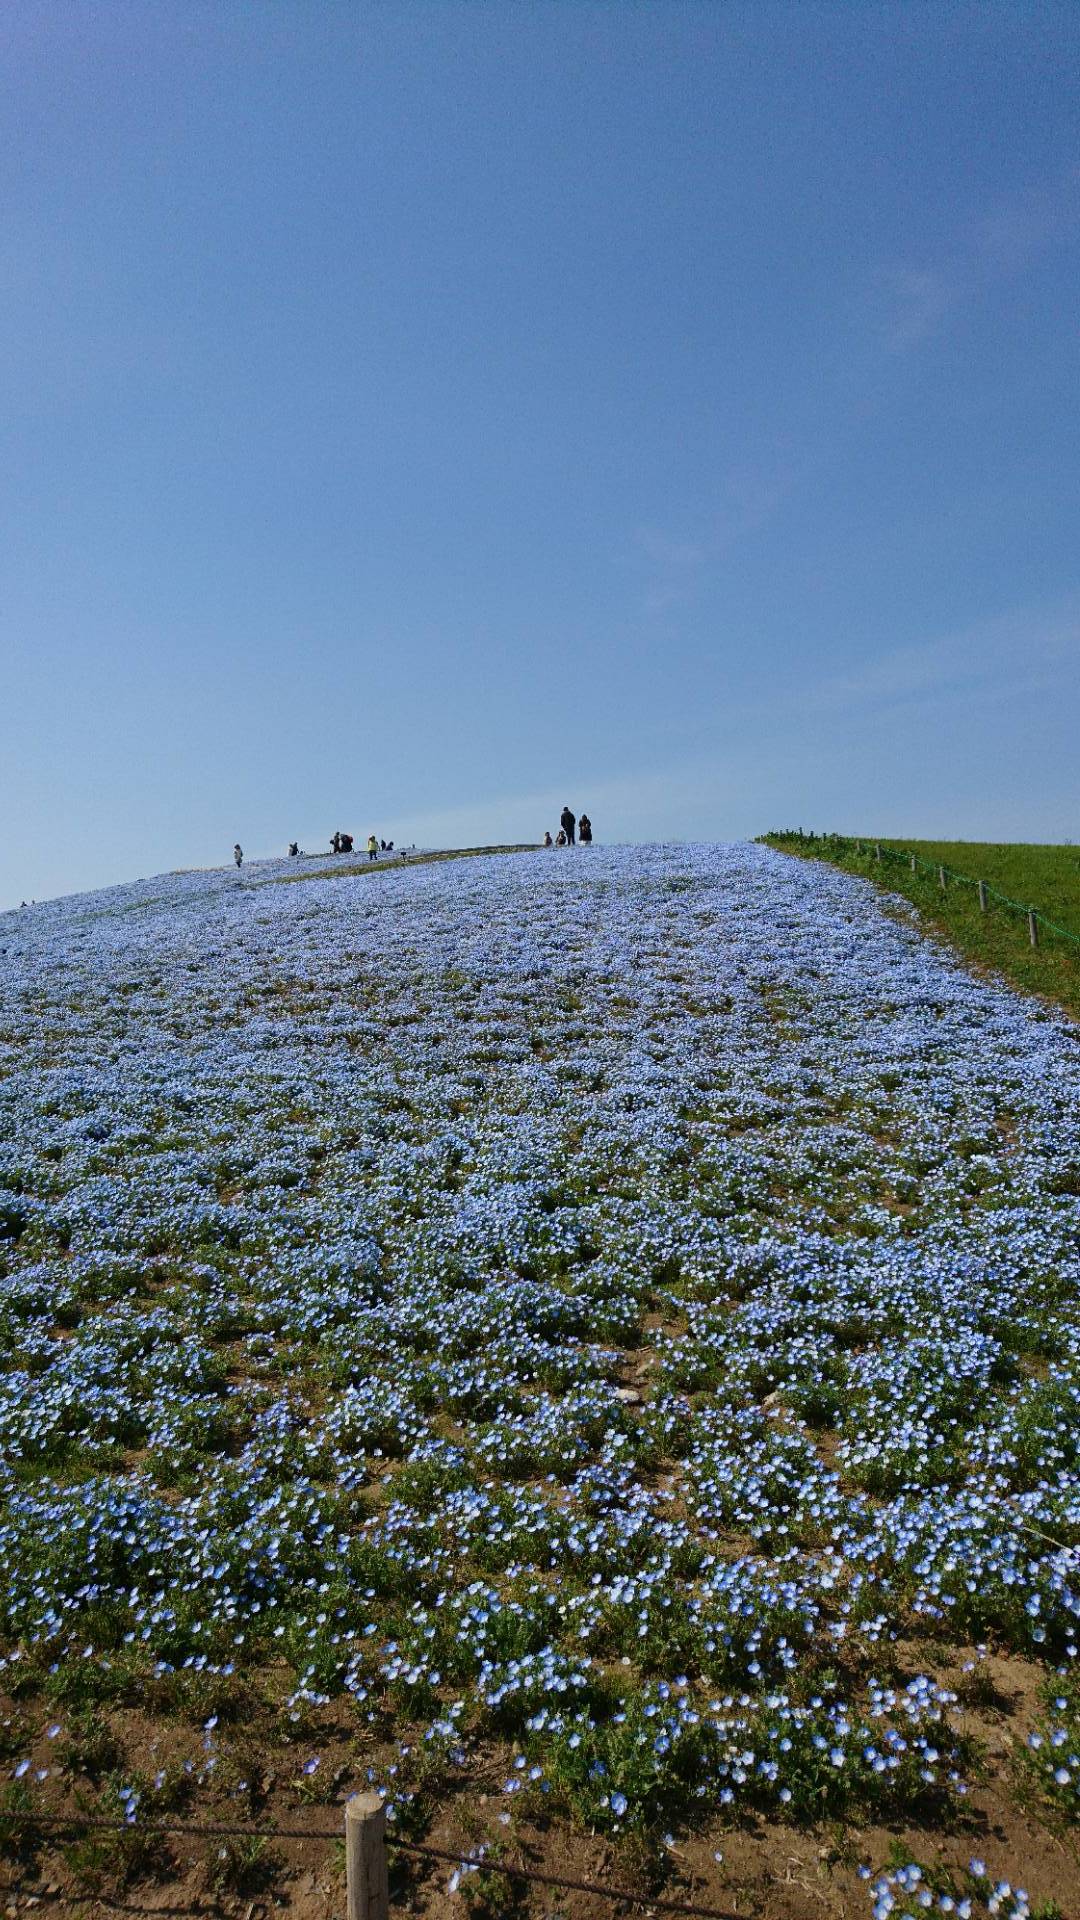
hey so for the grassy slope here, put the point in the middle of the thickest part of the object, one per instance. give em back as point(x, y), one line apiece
point(1047, 878)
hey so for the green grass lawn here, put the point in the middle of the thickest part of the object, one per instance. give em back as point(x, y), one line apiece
point(1046, 878)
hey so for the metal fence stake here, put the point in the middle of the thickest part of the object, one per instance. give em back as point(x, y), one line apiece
point(366, 1879)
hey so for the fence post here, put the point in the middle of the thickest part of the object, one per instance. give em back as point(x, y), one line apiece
point(1033, 927)
point(913, 863)
point(982, 895)
point(366, 1880)
point(941, 876)
point(877, 853)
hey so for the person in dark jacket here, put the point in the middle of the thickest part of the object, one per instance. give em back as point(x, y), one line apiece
point(238, 854)
point(585, 830)
point(567, 822)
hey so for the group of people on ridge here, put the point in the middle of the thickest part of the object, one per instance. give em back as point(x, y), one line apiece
point(343, 843)
point(339, 843)
point(571, 832)
point(568, 826)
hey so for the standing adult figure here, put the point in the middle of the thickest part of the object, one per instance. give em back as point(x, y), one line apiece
point(585, 830)
point(238, 854)
point(567, 822)
point(372, 847)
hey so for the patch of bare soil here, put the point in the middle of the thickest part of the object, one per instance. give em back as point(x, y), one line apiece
point(758, 1868)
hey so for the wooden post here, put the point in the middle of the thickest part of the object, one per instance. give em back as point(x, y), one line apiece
point(366, 1880)
point(877, 853)
point(1033, 927)
point(941, 876)
point(913, 863)
point(982, 895)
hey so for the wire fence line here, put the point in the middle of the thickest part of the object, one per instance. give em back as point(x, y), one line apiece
point(211, 1830)
point(515, 1872)
point(880, 851)
point(377, 1839)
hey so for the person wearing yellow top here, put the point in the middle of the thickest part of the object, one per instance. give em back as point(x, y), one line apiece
point(372, 847)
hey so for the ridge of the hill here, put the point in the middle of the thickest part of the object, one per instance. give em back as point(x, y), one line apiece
point(269, 871)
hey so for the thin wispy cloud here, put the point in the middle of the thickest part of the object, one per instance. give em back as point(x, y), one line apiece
point(1019, 228)
point(1028, 649)
point(911, 300)
point(667, 551)
point(749, 497)
point(909, 304)
point(745, 500)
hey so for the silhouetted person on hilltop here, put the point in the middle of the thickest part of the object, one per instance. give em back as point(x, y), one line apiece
point(585, 830)
point(294, 849)
point(567, 823)
point(238, 854)
point(548, 841)
point(345, 842)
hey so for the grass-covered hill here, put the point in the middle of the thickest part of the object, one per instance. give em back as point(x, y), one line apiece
point(1046, 878)
point(585, 1341)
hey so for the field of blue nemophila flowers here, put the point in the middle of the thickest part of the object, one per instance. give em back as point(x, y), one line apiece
point(601, 1328)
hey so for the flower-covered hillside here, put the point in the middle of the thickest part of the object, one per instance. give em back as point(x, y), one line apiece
point(602, 1328)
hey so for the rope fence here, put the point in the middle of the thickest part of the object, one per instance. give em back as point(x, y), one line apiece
point(881, 853)
point(367, 1841)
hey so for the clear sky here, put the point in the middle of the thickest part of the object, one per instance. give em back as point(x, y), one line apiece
point(418, 415)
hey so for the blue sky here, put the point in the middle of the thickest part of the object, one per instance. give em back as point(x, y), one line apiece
point(417, 416)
